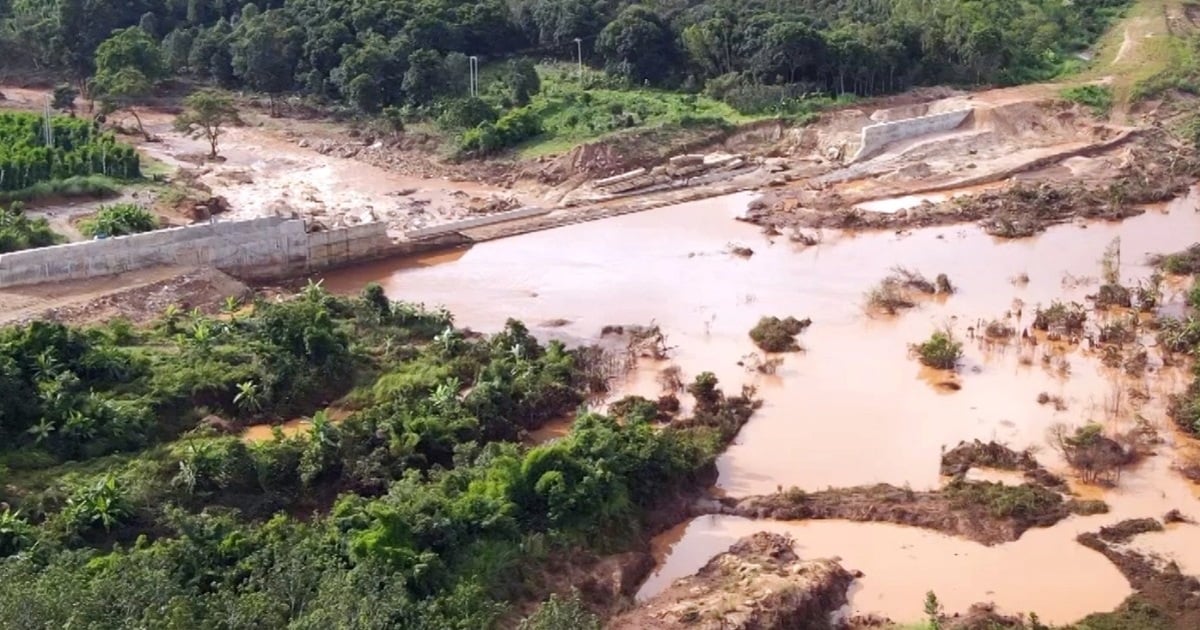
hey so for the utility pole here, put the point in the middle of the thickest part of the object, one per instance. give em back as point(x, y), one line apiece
point(579, 57)
point(474, 65)
point(49, 128)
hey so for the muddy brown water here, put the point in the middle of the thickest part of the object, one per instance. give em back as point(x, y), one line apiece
point(854, 408)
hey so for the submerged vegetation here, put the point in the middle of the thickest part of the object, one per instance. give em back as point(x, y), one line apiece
point(1184, 263)
point(772, 334)
point(898, 291)
point(126, 499)
point(941, 351)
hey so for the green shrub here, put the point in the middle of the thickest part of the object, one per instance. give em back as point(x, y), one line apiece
point(119, 219)
point(940, 351)
point(16, 534)
point(465, 113)
point(772, 334)
point(561, 614)
point(509, 130)
point(1182, 263)
point(18, 231)
point(1026, 502)
point(1099, 98)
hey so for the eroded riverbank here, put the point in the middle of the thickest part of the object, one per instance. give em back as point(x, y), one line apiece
point(854, 408)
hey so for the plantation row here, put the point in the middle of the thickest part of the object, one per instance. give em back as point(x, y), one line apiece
point(78, 149)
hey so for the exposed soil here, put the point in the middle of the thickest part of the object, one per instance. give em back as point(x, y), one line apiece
point(758, 584)
point(1152, 169)
point(939, 510)
point(138, 296)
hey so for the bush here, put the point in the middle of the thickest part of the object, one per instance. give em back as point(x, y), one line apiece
point(18, 231)
point(510, 130)
point(119, 220)
point(940, 351)
point(465, 113)
point(772, 334)
point(1060, 318)
point(1182, 263)
point(1099, 98)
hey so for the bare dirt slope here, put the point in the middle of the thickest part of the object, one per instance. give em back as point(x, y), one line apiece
point(759, 583)
point(139, 296)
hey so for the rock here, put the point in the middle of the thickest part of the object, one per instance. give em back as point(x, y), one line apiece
point(1175, 516)
point(217, 423)
point(303, 144)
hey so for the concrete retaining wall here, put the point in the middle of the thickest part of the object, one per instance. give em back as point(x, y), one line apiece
point(489, 219)
point(256, 249)
point(876, 137)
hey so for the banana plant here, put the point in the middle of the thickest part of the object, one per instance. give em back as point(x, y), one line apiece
point(248, 398)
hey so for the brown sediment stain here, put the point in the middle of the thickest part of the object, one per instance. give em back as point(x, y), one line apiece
point(852, 411)
point(290, 428)
point(552, 430)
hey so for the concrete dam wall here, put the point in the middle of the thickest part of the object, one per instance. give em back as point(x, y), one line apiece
point(256, 249)
point(876, 137)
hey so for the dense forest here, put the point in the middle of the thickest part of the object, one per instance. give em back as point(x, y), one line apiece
point(373, 54)
point(128, 500)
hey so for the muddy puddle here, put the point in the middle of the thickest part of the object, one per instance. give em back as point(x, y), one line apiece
point(266, 432)
point(290, 428)
point(854, 408)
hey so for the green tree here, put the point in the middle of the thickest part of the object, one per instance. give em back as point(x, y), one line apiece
point(266, 49)
point(207, 111)
point(128, 65)
point(637, 45)
point(522, 80)
point(424, 78)
point(209, 55)
point(63, 98)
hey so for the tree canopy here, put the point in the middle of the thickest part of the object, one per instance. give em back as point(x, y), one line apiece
point(376, 54)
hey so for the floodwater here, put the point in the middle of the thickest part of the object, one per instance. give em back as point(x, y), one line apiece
point(900, 564)
point(266, 432)
point(854, 408)
point(290, 428)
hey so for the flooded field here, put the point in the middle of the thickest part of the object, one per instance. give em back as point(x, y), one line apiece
point(854, 408)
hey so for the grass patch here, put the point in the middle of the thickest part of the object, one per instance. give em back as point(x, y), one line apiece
point(1175, 65)
point(1023, 502)
point(573, 110)
point(1098, 98)
point(91, 186)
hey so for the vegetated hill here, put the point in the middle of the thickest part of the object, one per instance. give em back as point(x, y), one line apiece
point(375, 54)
